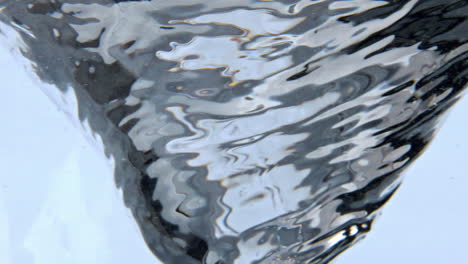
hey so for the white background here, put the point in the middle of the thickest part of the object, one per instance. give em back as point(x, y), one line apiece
point(58, 203)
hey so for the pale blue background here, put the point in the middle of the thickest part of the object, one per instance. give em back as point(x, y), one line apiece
point(58, 204)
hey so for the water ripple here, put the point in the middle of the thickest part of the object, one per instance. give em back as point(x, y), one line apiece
point(253, 131)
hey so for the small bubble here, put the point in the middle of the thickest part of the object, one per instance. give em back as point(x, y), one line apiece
point(353, 230)
point(205, 92)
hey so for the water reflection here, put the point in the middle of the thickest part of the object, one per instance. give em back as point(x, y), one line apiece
point(252, 131)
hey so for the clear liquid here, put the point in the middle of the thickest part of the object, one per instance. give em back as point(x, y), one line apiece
point(253, 131)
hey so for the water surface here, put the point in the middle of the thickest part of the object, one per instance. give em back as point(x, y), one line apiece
point(252, 131)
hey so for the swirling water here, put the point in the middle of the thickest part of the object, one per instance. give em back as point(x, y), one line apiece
point(252, 131)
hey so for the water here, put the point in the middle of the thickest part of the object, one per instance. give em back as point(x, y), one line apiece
point(252, 131)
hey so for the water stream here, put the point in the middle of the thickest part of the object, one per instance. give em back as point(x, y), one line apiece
point(245, 131)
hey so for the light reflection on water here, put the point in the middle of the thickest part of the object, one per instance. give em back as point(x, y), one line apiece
point(253, 131)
